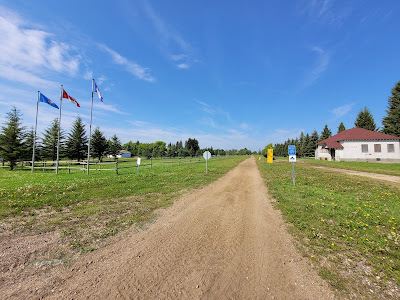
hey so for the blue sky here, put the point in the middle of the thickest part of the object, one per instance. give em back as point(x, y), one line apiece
point(231, 74)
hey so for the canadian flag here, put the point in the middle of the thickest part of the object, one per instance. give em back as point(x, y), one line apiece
point(66, 96)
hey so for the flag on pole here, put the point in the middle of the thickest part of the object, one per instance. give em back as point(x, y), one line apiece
point(43, 98)
point(96, 89)
point(66, 96)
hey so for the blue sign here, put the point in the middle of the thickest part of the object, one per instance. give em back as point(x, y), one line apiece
point(292, 149)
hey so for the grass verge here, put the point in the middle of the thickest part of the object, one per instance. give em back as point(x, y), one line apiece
point(347, 225)
point(87, 209)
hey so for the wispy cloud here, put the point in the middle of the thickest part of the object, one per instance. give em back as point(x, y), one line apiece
point(205, 107)
point(139, 123)
point(176, 47)
point(325, 12)
point(111, 108)
point(340, 111)
point(28, 53)
point(132, 67)
point(321, 64)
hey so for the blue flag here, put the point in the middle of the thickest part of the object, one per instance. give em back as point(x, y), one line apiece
point(96, 90)
point(44, 99)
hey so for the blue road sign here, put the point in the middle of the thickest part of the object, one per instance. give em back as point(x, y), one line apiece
point(292, 149)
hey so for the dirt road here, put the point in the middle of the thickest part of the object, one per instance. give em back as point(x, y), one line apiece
point(224, 241)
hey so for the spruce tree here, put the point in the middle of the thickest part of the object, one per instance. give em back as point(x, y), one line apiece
point(114, 146)
point(365, 120)
point(301, 144)
point(50, 140)
point(391, 122)
point(341, 127)
point(98, 144)
point(307, 148)
point(77, 141)
point(314, 142)
point(325, 133)
point(12, 138)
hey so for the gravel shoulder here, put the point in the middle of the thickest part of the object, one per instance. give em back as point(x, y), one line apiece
point(224, 241)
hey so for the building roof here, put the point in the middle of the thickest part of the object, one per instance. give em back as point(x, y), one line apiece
point(356, 134)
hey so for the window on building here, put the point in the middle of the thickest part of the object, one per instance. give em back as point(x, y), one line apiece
point(390, 147)
point(364, 148)
point(377, 147)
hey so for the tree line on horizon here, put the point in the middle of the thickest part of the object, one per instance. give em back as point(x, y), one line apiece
point(16, 144)
point(306, 143)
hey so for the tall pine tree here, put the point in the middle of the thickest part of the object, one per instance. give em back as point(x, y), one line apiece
point(325, 133)
point(365, 120)
point(114, 146)
point(391, 122)
point(98, 144)
point(50, 140)
point(12, 138)
point(341, 127)
point(77, 141)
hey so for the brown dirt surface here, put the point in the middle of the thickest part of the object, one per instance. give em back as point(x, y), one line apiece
point(223, 241)
point(391, 178)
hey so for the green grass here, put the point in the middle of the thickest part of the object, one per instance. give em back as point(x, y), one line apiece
point(349, 226)
point(381, 168)
point(86, 209)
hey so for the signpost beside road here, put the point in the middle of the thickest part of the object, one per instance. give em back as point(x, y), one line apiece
point(207, 156)
point(292, 159)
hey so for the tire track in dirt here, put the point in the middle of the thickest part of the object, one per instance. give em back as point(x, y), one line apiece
point(224, 241)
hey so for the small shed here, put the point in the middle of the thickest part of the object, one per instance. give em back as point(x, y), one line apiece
point(124, 154)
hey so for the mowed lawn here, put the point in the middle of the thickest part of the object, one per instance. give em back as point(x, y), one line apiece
point(347, 225)
point(88, 208)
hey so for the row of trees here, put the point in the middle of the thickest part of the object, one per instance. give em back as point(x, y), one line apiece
point(306, 144)
point(16, 143)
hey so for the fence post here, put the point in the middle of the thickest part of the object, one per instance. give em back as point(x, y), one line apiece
point(116, 167)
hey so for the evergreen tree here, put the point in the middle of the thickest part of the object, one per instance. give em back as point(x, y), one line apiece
point(29, 146)
point(307, 147)
point(98, 144)
point(341, 127)
point(365, 120)
point(77, 141)
point(12, 138)
point(301, 144)
point(391, 122)
point(313, 143)
point(325, 133)
point(192, 145)
point(114, 146)
point(50, 140)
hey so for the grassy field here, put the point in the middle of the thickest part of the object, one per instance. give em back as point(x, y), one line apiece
point(86, 209)
point(349, 226)
point(380, 168)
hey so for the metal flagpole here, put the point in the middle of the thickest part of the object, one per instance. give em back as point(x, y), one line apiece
point(59, 128)
point(34, 136)
point(90, 129)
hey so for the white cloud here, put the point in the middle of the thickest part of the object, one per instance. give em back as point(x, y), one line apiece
point(205, 107)
point(30, 53)
point(171, 40)
point(139, 123)
point(132, 67)
point(183, 66)
point(321, 64)
point(342, 110)
point(112, 108)
point(88, 75)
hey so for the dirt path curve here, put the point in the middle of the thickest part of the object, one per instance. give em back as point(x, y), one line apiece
point(391, 178)
point(224, 241)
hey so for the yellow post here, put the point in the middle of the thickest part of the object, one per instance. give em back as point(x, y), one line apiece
point(270, 156)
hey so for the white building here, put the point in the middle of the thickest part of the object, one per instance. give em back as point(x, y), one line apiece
point(124, 154)
point(358, 144)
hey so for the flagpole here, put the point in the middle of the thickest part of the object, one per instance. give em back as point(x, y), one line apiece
point(59, 128)
point(34, 136)
point(90, 129)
